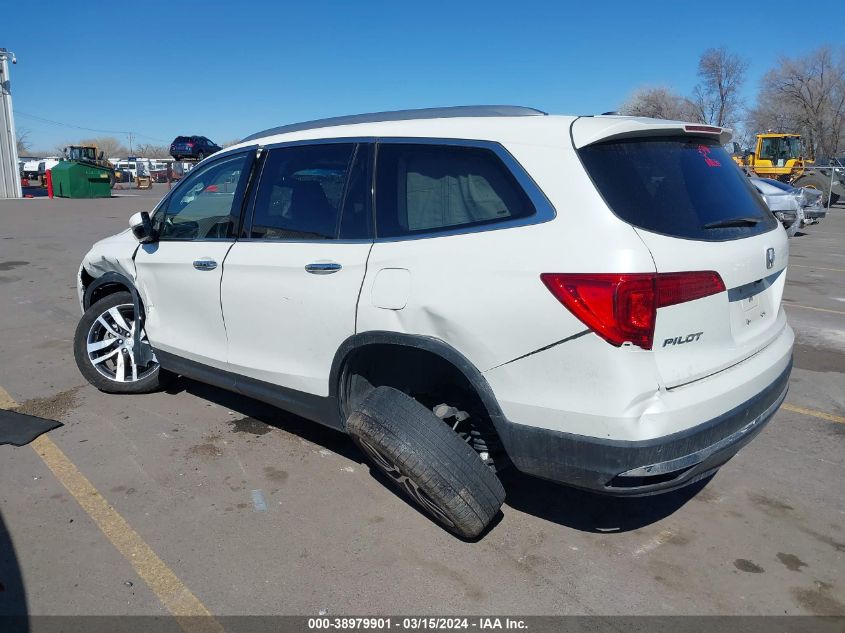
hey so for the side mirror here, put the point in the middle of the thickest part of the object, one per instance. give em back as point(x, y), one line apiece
point(142, 227)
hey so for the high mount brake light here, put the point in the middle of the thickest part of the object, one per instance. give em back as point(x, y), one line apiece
point(707, 129)
point(622, 307)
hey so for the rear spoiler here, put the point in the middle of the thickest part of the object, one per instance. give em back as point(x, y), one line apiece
point(595, 129)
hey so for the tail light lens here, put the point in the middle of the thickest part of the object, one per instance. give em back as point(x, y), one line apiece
point(191, 145)
point(622, 307)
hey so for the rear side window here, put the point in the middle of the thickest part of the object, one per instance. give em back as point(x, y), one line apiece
point(301, 192)
point(428, 188)
point(685, 187)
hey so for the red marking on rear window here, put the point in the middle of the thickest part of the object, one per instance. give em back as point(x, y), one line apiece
point(211, 188)
point(704, 150)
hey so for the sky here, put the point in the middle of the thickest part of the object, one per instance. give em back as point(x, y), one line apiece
point(228, 69)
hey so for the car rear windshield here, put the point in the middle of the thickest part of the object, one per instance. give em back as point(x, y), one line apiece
point(686, 187)
point(182, 139)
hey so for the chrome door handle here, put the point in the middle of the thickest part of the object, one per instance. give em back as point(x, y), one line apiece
point(205, 264)
point(323, 268)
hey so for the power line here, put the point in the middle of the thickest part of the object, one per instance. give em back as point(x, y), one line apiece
point(87, 129)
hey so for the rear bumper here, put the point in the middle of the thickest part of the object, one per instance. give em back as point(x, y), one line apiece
point(632, 468)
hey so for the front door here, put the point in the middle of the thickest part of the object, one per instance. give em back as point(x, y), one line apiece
point(179, 275)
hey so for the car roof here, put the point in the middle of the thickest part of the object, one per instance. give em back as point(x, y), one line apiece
point(503, 123)
point(402, 115)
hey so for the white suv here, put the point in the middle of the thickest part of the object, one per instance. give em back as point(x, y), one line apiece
point(596, 300)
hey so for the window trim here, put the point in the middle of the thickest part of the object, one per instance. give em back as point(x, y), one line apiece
point(241, 194)
point(544, 211)
point(246, 225)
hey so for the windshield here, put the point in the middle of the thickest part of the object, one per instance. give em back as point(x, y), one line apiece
point(680, 186)
point(780, 149)
point(777, 184)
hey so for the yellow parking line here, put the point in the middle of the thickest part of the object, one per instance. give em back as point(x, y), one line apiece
point(816, 414)
point(796, 305)
point(835, 270)
point(172, 592)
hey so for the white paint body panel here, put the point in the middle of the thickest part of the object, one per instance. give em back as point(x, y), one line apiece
point(285, 324)
point(732, 331)
point(183, 303)
point(111, 254)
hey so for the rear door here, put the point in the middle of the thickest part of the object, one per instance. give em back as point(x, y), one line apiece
point(696, 211)
point(291, 284)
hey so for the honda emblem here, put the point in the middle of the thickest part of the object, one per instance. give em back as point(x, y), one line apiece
point(770, 258)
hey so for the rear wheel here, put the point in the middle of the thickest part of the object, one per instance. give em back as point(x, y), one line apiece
point(200, 156)
point(104, 349)
point(427, 461)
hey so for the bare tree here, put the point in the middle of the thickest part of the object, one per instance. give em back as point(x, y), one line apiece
point(805, 95)
point(150, 150)
point(717, 96)
point(109, 145)
point(659, 103)
point(23, 141)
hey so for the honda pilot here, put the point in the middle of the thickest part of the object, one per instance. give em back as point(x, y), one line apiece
point(594, 300)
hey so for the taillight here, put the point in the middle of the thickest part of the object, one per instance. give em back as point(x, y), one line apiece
point(674, 288)
point(190, 145)
point(622, 307)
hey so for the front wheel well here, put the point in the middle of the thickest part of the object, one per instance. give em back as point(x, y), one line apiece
point(97, 288)
point(430, 379)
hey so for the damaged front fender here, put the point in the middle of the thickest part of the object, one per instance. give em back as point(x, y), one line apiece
point(113, 256)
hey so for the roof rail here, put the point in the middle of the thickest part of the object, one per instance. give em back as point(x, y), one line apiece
point(402, 115)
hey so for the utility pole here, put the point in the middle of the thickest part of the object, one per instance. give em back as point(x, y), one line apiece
point(10, 179)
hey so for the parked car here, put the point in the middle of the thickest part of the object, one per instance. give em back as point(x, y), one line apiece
point(126, 170)
point(37, 167)
point(158, 170)
point(595, 300)
point(192, 147)
point(795, 207)
point(30, 168)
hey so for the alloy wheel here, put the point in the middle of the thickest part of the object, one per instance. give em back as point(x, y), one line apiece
point(404, 482)
point(110, 346)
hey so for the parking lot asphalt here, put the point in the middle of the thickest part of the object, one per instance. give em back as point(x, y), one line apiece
point(150, 504)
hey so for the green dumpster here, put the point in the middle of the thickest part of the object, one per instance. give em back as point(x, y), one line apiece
point(78, 180)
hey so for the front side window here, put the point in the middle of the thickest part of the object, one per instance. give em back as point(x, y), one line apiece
point(205, 205)
point(423, 188)
point(302, 192)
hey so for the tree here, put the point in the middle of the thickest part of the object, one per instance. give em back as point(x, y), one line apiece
point(23, 141)
point(805, 95)
point(150, 150)
point(659, 103)
point(109, 145)
point(717, 96)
